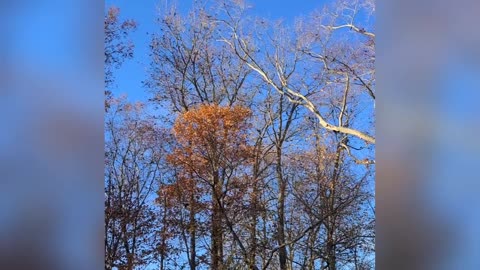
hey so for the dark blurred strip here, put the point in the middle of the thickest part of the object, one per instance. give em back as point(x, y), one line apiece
point(428, 126)
point(51, 143)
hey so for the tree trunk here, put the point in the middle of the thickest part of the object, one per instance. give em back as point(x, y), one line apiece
point(331, 253)
point(282, 252)
point(192, 230)
point(217, 233)
point(164, 223)
point(253, 228)
point(128, 252)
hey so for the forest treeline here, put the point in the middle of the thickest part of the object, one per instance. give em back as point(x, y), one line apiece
point(256, 147)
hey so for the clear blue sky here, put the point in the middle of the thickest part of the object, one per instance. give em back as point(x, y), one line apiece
point(129, 78)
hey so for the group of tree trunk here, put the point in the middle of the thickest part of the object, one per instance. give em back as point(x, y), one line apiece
point(256, 147)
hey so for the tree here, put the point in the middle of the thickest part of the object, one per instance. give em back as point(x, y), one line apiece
point(117, 46)
point(283, 116)
point(190, 67)
point(133, 154)
point(184, 207)
point(212, 146)
point(290, 58)
point(327, 189)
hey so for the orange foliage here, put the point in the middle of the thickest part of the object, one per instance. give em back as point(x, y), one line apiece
point(211, 137)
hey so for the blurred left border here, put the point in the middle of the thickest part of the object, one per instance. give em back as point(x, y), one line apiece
point(51, 139)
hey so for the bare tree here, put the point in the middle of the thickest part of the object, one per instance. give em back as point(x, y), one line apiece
point(118, 47)
point(287, 59)
point(190, 67)
point(132, 165)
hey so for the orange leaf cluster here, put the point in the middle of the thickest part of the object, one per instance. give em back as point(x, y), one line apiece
point(211, 137)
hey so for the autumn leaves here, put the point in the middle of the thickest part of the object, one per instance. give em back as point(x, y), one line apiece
point(211, 151)
point(211, 137)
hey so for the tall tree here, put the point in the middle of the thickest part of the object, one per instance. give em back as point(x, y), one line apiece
point(133, 153)
point(212, 146)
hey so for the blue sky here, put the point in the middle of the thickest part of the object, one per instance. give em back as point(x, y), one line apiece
point(129, 78)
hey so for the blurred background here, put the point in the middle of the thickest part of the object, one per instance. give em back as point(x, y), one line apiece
point(51, 143)
point(427, 128)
